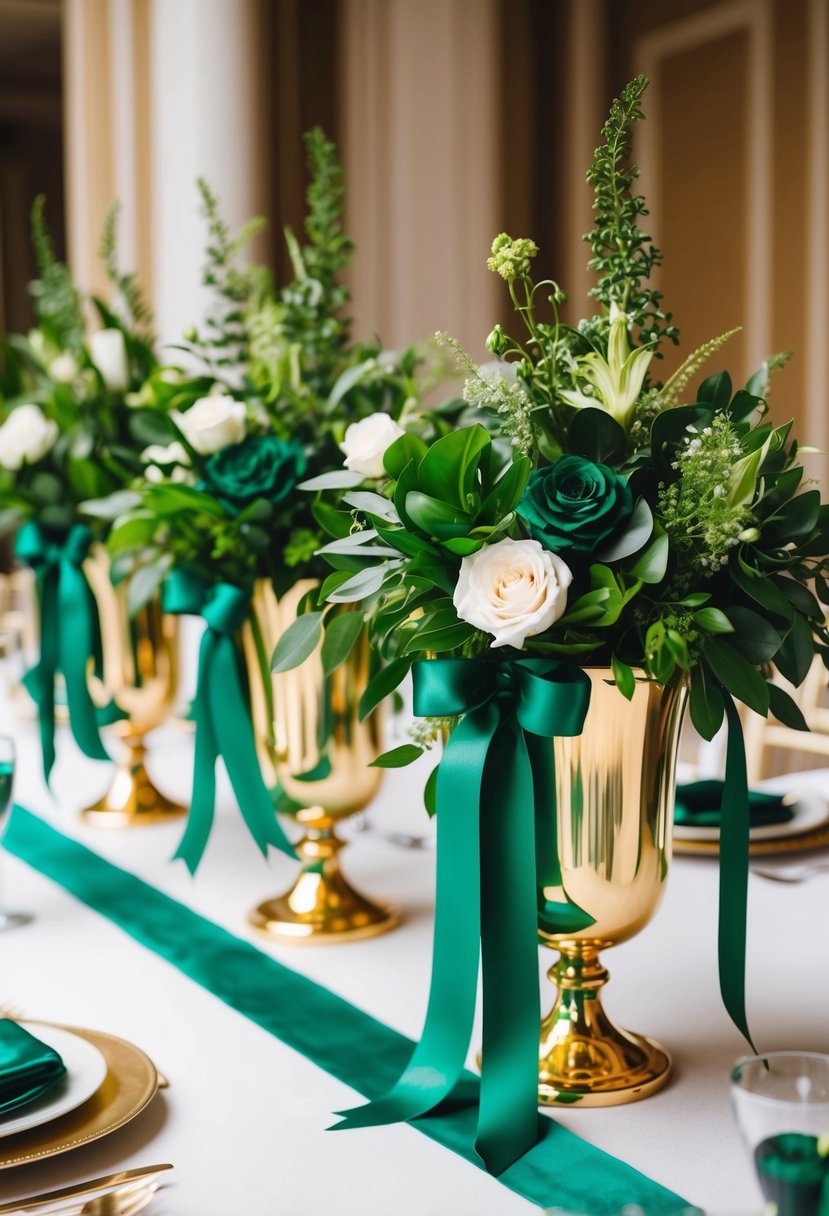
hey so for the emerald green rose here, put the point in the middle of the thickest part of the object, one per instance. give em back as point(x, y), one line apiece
point(575, 506)
point(259, 467)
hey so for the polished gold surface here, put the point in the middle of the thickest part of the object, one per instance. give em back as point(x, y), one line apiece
point(130, 1085)
point(140, 673)
point(613, 806)
point(48, 1198)
point(292, 711)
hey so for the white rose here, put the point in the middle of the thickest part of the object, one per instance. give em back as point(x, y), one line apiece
point(26, 436)
point(64, 369)
point(109, 354)
point(513, 589)
point(365, 444)
point(212, 423)
point(169, 463)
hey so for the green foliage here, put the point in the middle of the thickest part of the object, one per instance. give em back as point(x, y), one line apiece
point(623, 255)
point(126, 284)
point(57, 302)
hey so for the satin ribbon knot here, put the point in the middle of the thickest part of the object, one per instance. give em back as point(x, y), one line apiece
point(496, 777)
point(69, 635)
point(222, 715)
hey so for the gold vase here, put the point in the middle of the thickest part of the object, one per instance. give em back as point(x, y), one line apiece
point(140, 674)
point(314, 746)
point(613, 807)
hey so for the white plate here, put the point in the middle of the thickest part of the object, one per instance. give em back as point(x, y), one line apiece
point(86, 1069)
point(810, 811)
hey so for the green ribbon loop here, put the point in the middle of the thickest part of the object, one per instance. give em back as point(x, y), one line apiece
point(735, 827)
point(68, 635)
point(222, 716)
point(486, 896)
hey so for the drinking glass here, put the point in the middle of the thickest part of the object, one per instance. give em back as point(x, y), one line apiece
point(781, 1104)
point(8, 920)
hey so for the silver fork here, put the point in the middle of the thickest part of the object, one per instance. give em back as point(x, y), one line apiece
point(793, 873)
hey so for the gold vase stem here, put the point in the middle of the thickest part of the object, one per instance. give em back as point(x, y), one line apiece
point(132, 798)
point(321, 906)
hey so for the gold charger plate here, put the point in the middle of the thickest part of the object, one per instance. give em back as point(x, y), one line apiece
point(130, 1085)
point(817, 838)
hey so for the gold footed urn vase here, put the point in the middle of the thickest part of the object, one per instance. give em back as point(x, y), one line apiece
point(613, 810)
point(140, 675)
point(313, 746)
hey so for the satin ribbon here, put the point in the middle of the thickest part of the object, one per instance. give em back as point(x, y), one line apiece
point(560, 1171)
point(222, 717)
point(68, 635)
point(486, 894)
point(735, 828)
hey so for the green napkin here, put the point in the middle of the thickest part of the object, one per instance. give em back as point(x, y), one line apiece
point(793, 1175)
point(28, 1068)
point(698, 806)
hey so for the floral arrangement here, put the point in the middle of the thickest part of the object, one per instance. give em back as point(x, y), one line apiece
point(590, 514)
point(269, 395)
point(596, 512)
point(279, 393)
point(73, 429)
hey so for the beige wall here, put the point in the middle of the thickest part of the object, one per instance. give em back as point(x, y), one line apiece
point(457, 118)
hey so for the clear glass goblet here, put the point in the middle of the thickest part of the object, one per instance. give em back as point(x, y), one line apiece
point(781, 1105)
point(8, 755)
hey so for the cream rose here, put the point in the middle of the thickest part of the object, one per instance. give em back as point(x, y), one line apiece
point(365, 444)
point(26, 436)
point(212, 423)
point(167, 463)
point(64, 369)
point(108, 352)
point(513, 589)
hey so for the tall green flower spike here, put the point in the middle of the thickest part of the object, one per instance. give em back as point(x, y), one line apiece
point(617, 381)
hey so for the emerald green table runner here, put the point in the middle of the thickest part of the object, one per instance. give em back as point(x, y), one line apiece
point(561, 1170)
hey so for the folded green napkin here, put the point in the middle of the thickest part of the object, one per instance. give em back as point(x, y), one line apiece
point(698, 806)
point(793, 1175)
point(28, 1068)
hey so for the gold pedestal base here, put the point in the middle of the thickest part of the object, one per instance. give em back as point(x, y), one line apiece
point(321, 908)
point(585, 1060)
point(132, 799)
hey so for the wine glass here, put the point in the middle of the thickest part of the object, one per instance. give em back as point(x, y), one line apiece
point(781, 1104)
point(8, 920)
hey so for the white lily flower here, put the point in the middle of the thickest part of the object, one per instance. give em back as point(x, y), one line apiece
point(618, 379)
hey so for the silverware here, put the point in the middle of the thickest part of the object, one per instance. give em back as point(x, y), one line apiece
point(790, 874)
point(146, 1172)
point(128, 1201)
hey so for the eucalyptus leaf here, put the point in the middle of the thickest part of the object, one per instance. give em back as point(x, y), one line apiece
point(741, 679)
point(341, 634)
point(637, 534)
point(382, 685)
point(144, 584)
point(398, 757)
point(705, 702)
point(299, 640)
point(360, 585)
point(372, 504)
point(785, 709)
point(339, 479)
point(112, 506)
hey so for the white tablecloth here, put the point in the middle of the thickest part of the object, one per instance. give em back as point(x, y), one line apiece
point(244, 1118)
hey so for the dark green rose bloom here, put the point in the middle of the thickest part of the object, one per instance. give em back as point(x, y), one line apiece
point(575, 506)
point(259, 467)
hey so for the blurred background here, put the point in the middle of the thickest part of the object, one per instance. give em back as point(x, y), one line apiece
point(456, 119)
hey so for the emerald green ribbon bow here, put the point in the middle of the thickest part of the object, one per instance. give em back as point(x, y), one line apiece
point(222, 716)
point(69, 633)
point(495, 771)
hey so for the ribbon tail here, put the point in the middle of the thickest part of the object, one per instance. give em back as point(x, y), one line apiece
point(508, 1117)
point(203, 799)
point(735, 825)
point(238, 750)
point(438, 1059)
point(77, 644)
point(554, 915)
point(39, 681)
